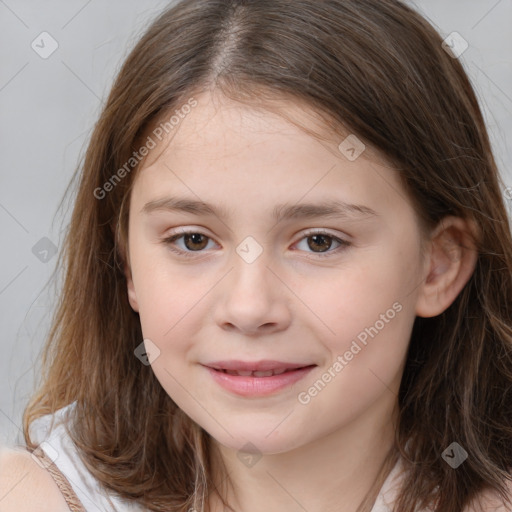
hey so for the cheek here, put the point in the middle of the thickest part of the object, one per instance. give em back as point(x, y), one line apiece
point(355, 296)
point(366, 312)
point(166, 304)
point(162, 294)
point(364, 358)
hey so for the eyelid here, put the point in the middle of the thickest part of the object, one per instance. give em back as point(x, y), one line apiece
point(321, 231)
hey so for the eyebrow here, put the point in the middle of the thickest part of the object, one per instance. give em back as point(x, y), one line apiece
point(332, 208)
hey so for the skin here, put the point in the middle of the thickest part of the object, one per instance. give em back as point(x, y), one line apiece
point(290, 304)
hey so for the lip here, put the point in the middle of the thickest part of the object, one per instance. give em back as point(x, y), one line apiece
point(255, 366)
point(258, 386)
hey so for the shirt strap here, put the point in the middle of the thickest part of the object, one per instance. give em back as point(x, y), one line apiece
point(74, 504)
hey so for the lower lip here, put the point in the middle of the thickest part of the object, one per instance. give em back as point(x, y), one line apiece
point(257, 386)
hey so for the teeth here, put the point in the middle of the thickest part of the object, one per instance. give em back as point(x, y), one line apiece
point(246, 373)
point(264, 374)
point(240, 373)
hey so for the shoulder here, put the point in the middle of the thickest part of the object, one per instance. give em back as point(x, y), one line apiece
point(489, 501)
point(25, 485)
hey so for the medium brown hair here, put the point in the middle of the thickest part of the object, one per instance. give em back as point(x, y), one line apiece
point(376, 68)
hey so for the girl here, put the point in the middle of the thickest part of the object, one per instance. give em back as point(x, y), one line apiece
point(288, 277)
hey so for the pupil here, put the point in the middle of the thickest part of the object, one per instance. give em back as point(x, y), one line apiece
point(316, 237)
point(194, 238)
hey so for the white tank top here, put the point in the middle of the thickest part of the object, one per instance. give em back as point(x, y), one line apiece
point(56, 443)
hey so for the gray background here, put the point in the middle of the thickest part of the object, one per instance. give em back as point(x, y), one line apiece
point(49, 106)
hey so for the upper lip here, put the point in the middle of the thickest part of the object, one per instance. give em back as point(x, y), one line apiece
point(255, 366)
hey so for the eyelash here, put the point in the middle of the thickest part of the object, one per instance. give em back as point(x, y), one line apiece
point(170, 240)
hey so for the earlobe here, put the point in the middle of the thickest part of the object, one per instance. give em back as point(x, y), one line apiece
point(132, 297)
point(449, 265)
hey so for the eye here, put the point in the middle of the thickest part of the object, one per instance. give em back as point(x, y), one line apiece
point(195, 242)
point(319, 239)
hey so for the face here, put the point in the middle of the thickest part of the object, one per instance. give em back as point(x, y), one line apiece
point(333, 292)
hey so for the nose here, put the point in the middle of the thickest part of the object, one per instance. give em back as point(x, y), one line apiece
point(253, 299)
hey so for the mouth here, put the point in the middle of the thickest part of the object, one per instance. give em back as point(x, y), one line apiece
point(247, 382)
point(263, 366)
point(268, 373)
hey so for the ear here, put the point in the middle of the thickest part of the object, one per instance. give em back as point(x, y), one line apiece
point(132, 295)
point(449, 264)
point(124, 256)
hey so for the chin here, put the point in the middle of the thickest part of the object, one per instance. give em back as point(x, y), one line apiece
point(256, 443)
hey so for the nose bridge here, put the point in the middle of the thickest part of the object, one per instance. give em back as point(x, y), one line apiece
point(249, 299)
point(250, 250)
point(251, 261)
point(252, 299)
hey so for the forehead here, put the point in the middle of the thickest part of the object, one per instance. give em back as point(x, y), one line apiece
point(202, 120)
point(220, 147)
